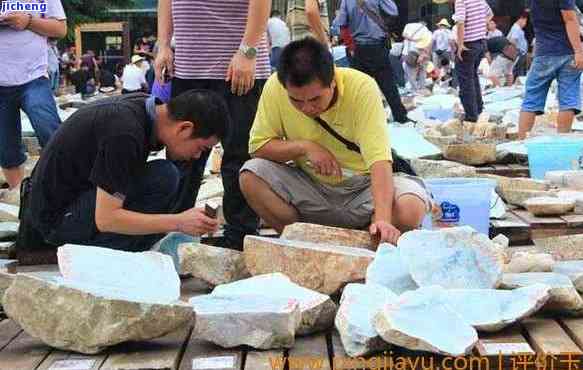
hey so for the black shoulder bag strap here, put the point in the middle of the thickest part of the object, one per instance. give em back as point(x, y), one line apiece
point(373, 16)
point(399, 164)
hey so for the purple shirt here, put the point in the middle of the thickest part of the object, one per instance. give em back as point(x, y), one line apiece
point(208, 34)
point(24, 54)
point(474, 14)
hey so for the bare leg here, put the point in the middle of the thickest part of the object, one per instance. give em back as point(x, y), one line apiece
point(266, 203)
point(14, 176)
point(408, 212)
point(525, 123)
point(565, 121)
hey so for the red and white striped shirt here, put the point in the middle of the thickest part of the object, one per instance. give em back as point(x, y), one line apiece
point(474, 14)
point(208, 33)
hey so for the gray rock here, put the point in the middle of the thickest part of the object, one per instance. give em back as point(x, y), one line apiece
point(328, 235)
point(257, 321)
point(214, 265)
point(562, 248)
point(549, 206)
point(493, 310)
point(564, 297)
point(317, 310)
point(566, 179)
point(452, 258)
point(420, 320)
point(71, 319)
point(437, 169)
point(530, 262)
point(572, 269)
point(358, 306)
point(8, 230)
point(389, 270)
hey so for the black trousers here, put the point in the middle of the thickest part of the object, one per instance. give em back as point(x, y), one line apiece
point(241, 219)
point(374, 60)
point(469, 81)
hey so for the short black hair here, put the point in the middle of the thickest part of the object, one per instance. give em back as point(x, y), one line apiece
point(275, 13)
point(305, 61)
point(205, 108)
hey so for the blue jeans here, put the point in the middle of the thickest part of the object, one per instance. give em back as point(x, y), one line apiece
point(154, 193)
point(543, 71)
point(36, 99)
point(469, 82)
point(274, 57)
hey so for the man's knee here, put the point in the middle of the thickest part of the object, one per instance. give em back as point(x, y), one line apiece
point(410, 211)
point(165, 174)
point(247, 182)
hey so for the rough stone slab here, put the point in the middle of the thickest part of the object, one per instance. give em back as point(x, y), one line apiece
point(572, 269)
point(505, 184)
point(70, 319)
point(519, 197)
point(421, 320)
point(6, 280)
point(549, 206)
point(438, 169)
point(317, 310)
point(321, 267)
point(472, 154)
point(328, 235)
point(530, 262)
point(564, 297)
point(492, 310)
point(8, 213)
point(452, 258)
point(358, 306)
point(169, 244)
point(214, 265)
point(389, 270)
point(8, 266)
point(410, 144)
point(8, 230)
point(562, 248)
point(566, 179)
point(124, 275)
point(257, 321)
point(570, 195)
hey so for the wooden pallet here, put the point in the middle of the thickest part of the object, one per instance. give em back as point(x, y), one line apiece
point(521, 227)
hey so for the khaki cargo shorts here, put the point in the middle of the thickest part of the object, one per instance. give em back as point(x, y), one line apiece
point(348, 205)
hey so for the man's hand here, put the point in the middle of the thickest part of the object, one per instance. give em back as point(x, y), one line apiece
point(322, 160)
point(18, 21)
point(384, 232)
point(164, 59)
point(460, 51)
point(241, 74)
point(196, 223)
point(579, 60)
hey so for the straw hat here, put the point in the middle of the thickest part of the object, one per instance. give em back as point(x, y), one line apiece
point(444, 22)
point(137, 59)
point(418, 34)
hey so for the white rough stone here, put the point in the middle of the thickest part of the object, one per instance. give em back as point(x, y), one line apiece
point(518, 197)
point(317, 310)
point(125, 275)
point(8, 213)
point(562, 248)
point(564, 297)
point(492, 310)
point(566, 179)
point(213, 265)
point(530, 262)
point(389, 270)
point(549, 206)
point(421, 320)
point(65, 317)
point(452, 258)
point(257, 321)
point(572, 269)
point(437, 169)
point(358, 306)
point(8, 230)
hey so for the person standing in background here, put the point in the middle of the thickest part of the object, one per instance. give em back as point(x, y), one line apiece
point(517, 37)
point(53, 60)
point(308, 18)
point(278, 35)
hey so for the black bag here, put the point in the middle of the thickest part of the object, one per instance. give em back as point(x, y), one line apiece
point(399, 164)
point(387, 22)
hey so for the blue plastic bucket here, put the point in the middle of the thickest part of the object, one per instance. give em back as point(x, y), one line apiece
point(553, 153)
point(463, 201)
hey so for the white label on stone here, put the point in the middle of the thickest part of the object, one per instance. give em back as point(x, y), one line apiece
point(72, 365)
point(207, 363)
point(506, 348)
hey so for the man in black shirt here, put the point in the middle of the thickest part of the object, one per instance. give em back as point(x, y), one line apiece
point(93, 184)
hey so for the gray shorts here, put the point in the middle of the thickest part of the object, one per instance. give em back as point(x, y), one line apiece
point(348, 205)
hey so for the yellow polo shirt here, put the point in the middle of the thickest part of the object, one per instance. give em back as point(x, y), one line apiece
point(358, 115)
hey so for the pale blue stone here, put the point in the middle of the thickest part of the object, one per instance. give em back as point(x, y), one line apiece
point(389, 270)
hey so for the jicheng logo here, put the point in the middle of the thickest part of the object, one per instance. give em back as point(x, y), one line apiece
point(22, 6)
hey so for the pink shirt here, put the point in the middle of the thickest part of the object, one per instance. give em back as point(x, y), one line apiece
point(474, 14)
point(208, 34)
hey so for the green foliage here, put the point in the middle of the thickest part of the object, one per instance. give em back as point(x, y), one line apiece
point(85, 11)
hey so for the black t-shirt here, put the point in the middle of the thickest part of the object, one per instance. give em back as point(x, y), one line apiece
point(107, 79)
point(105, 145)
point(79, 79)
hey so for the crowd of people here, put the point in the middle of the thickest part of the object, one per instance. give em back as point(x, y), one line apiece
point(93, 183)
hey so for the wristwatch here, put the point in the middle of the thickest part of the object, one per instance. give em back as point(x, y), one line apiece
point(249, 52)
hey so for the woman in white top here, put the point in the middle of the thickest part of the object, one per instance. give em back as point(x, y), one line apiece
point(133, 77)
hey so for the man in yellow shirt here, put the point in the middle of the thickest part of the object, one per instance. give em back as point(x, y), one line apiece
point(342, 174)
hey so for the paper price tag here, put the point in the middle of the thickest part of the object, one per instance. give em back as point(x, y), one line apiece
point(72, 365)
point(209, 363)
point(506, 348)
